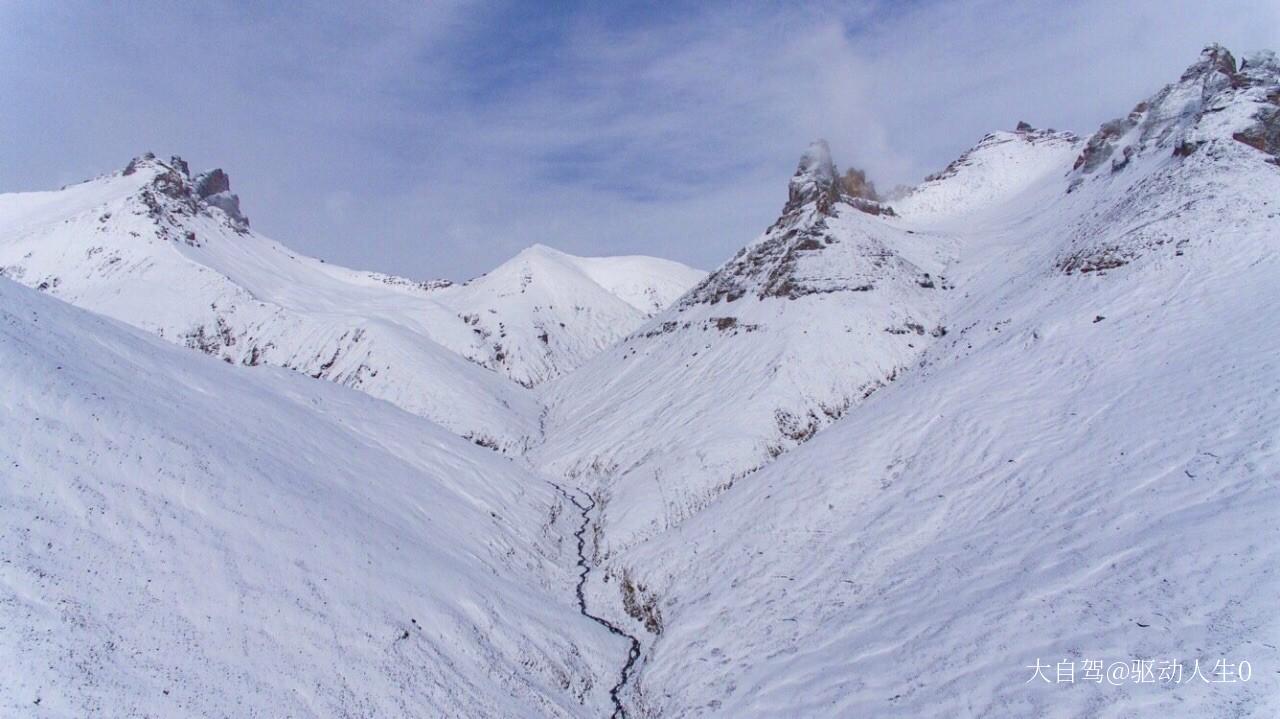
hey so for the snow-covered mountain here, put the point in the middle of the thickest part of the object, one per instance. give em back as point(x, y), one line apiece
point(171, 253)
point(544, 312)
point(884, 461)
point(1082, 467)
point(185, 538)
point(830, 304)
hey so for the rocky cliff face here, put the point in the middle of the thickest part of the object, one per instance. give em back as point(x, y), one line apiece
point(780, 264)
point(173, 194)
point(1214, 100)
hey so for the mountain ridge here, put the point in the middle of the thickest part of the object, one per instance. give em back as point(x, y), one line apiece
point(171, 253)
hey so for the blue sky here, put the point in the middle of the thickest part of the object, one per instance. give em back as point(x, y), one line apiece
point(438, 139)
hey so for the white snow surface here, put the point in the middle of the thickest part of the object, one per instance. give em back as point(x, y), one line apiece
point(1087, 468)
point(988, 176)
point(186, 538)
point(877, 464)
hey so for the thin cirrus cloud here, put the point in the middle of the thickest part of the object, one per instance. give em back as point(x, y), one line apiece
point(439, 140)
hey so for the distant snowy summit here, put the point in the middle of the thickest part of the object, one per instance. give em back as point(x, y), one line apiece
point(544, 312)
point(172, 252)
point(193, 194)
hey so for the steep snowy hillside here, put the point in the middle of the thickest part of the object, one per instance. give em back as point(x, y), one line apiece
point(144, 247)
point(171, 253)
point(544, 312)
point(1085, 468)
point(184, 538)
point(829, 305)
point(989, 176)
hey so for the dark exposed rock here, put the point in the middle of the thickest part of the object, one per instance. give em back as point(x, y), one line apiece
point(815, 181)
point(1186, 148)
point(871, 207)
point(854, 182)
point(818, 182)
point(775, 265)
point(1213, 59)
point(1264, 135)
point(214, 187)
point(211, 183)
point(1097, 259)
point(1102, 143)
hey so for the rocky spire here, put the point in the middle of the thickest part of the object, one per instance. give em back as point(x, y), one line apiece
point(815, 179)
point(818, 182)
point(212, 182)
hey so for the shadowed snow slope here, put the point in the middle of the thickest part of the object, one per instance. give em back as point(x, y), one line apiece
point(184, 538)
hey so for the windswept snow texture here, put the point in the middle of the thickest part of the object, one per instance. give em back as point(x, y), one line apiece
point(144, 247)
point(183, 538)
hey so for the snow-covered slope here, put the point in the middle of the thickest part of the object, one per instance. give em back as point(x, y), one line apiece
point(1086, 467)
point(883, 462)
point(827, 306)
point(185, 538)
point(994, 172)
point(544, 312)
point(143, 247)
point(170, 253)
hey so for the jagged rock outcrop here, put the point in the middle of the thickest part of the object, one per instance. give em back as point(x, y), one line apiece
point(817, 181)
point(214, 187)
point(184, 195)
point(1213, 100)
point(775, 265)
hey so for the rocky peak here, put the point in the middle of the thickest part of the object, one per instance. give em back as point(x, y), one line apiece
point(143, 161)
point(212, 182)
point(814, 180)
point(1213, 100)
point(818, 182)
point(790, 260)
point(172, 192)
point(1214, 59)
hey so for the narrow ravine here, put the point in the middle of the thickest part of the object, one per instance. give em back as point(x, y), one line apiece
point(633, 654)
